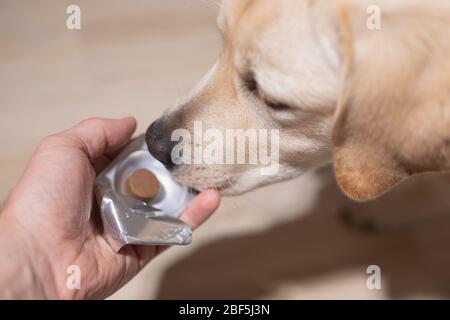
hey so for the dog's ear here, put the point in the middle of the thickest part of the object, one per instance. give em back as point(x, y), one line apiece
point(365, 166)
point(392, 119)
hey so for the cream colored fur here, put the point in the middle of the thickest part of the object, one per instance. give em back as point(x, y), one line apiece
point(375, 102)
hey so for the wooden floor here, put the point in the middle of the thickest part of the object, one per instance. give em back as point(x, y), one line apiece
point(136, 58)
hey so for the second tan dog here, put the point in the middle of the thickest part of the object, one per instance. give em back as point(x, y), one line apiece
point(374, 102)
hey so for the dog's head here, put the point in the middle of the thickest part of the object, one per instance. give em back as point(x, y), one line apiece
point(323, 80)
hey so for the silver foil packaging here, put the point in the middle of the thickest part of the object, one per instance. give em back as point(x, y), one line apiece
point(130, 221)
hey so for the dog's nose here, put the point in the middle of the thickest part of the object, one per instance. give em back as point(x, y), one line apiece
point(159, 142)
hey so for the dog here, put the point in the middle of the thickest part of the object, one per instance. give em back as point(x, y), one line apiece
point(373, 102)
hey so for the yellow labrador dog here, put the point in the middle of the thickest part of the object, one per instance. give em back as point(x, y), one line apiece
point(373, 99)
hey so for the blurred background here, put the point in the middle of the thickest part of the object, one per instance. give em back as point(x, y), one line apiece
point(295, 240)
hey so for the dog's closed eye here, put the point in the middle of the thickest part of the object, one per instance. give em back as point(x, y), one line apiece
point(252, 86)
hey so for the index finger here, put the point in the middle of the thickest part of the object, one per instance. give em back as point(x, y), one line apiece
point(98, 136)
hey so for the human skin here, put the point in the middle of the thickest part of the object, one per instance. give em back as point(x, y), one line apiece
point(50, 220)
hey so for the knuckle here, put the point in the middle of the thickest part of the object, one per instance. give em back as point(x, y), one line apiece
point(51, 140)
point(94, 122)
point(58, 140)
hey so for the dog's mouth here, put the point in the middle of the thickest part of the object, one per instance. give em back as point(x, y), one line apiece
point(201, 183)
point(216, 186)
point(194, 191)
point(220, 187)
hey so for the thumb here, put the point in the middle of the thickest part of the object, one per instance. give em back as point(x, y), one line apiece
point(201, 208)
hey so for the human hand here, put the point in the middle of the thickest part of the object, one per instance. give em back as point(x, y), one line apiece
point(50, 221)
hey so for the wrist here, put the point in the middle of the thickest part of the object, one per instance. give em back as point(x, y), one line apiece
point(25, 270)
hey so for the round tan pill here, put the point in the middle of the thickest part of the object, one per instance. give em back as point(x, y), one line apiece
point(142, 184)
